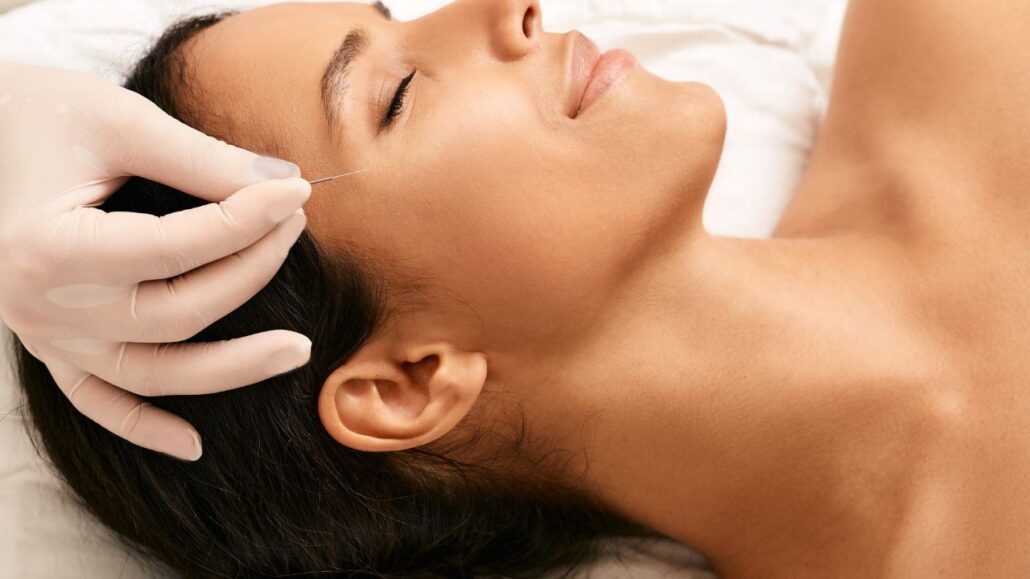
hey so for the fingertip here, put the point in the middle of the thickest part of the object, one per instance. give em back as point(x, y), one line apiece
point(283, 197)
point(198, 448)
point(294, 353)
point(269, 168)
point(298, 189)
point(301, 186)
point(300, 350)
point(304, 347)
point(188, 450)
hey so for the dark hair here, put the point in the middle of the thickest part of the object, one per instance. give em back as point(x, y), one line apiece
point(274, 494)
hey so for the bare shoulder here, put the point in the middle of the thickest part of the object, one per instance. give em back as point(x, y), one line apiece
point(928, 94)
point(939, 62)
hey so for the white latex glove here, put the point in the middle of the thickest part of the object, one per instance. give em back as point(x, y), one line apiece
point(101, 297)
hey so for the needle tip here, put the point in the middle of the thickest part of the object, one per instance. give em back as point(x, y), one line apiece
point(326, 179)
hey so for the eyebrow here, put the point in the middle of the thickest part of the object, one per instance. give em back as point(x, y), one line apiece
point(336, 77)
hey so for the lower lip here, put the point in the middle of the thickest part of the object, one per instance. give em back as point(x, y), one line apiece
point(609, 72)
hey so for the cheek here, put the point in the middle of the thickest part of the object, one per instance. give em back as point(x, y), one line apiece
point(496, 200)
point(484, 158)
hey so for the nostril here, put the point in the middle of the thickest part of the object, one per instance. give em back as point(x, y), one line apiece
point(529, 22)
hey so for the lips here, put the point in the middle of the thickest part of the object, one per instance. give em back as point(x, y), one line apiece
point(585, 56)
point(592, 74)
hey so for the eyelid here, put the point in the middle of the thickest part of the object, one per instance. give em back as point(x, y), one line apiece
point(382, 93)
point(402, 98)
point(380, 103)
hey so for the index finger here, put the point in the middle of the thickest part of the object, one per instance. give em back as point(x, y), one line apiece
point(124, 248)
point(151, 144)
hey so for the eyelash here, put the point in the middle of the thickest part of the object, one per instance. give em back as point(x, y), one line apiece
point(397, 104)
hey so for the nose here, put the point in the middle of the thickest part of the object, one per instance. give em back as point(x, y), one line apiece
point(515, 27)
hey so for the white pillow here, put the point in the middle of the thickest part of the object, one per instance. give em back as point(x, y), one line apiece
point(769, 59)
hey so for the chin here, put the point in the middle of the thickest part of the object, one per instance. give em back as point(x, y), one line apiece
point(703, 110)
point(688, 110)
point(688, 126)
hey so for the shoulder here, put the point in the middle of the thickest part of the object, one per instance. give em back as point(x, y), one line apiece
point(928, 107)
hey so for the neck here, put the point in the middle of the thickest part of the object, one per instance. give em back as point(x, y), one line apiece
point(746, 397)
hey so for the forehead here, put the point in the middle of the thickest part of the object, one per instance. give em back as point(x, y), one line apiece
point(256, 76)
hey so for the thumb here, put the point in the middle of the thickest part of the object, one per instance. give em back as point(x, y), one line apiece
point(160, 148)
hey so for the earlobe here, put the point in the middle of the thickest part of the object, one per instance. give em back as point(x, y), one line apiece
point(377, 403)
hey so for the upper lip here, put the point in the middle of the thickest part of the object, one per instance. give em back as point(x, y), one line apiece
point(582, 56)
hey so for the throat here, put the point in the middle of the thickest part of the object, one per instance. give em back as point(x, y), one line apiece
point(751, 397)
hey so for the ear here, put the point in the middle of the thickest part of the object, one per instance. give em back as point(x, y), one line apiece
point(379, 402)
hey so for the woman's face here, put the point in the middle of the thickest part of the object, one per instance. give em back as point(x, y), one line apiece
point(483, 182)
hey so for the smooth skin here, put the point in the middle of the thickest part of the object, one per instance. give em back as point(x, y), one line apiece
point(844, 400)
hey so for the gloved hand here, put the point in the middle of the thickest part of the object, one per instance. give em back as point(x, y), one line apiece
point(100, 297)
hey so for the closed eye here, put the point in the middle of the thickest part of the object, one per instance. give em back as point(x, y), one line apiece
point(397, 104)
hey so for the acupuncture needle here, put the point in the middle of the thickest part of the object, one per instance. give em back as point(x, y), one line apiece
point(327, 179)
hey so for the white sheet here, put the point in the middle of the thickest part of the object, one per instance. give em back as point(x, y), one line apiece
point(770, 60)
